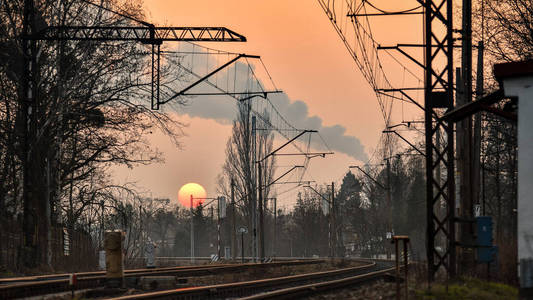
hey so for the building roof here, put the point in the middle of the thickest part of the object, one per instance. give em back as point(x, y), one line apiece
point(483, 104)
point(501, 71)
point(513, 69)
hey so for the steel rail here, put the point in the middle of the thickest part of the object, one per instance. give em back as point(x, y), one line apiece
point(240, 289)
point(35, 278)
point(11, 280)
point(315, 288)
point(31, 289)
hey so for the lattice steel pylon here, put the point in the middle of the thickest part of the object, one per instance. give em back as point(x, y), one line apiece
point(438, 97)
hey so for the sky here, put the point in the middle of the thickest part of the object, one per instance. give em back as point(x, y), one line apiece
point(305, 58)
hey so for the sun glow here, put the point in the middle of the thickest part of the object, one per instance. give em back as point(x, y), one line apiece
point(194, 189)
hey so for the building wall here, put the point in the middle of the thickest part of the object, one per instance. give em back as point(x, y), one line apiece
point(522, 87)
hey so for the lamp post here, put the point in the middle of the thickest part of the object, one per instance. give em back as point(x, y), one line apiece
point(242, 231)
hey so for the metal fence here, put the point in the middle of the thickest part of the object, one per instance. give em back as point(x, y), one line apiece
point(71, 251)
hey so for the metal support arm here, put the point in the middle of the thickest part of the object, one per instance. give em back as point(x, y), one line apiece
point(182, 92)
point(148, 34)
point(368, 175)
point(283, 175)
point(313, 189)
point(282, 146)
point(143, 34)
point(405, 140)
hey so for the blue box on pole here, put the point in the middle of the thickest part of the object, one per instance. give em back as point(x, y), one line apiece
point(484, 231)
point(486, 252)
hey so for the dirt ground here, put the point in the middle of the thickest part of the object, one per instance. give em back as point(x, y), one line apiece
point(379, 290)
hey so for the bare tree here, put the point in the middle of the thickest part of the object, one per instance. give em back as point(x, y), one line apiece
point(90, 112)
point(509, 29)
point(242, 152)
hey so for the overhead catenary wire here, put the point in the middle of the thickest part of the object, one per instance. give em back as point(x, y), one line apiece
point(363, 48)
point(391, 12)
point(268, 115)
point(277, 123)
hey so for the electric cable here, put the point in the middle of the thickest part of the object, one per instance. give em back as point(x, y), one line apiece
point(391, 12)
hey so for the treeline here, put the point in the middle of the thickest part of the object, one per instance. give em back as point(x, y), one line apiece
point(362, 212)
point(90, 111)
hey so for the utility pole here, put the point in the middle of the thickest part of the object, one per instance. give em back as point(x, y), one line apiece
point(466, 41)
point(476, 164)
point(254, 196)
point(192, 232)
point(330, 231)
point(233, 222)
point(275, 227)
point(389, 202)
point(261, 221)
point(464, 129)
point(333, 224)
point(218, 227)
point(260, 185)
point(459, 137)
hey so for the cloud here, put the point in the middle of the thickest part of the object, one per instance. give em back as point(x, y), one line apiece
point(335, 136)
point(223, 109)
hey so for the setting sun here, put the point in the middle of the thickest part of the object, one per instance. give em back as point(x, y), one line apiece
point(194, 189)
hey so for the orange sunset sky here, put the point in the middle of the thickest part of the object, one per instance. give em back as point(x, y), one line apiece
point(306, 59)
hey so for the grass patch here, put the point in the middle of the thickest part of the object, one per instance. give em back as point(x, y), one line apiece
point(469, 288)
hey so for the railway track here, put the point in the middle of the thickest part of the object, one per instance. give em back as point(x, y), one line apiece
point(49, 284)
point(275, 287)
point(14, 280)
point(314, 288)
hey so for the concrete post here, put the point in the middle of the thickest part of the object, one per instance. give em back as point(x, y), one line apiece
point(114, 258)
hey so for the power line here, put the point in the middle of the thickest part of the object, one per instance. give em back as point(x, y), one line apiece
point(391, 12)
